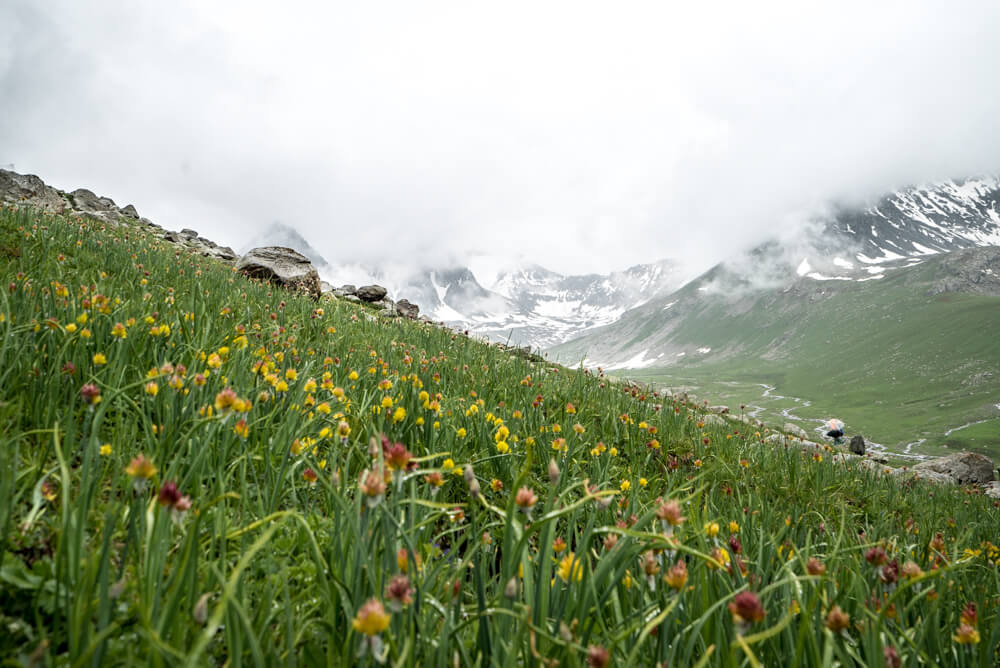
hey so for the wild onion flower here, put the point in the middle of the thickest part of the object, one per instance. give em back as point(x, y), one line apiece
point(525, 500)
point(677, 575)
point(91, 394)
point(396, 456)
point(746, 609)
point(837, 620)
point(966, 634)
point(372, 485)
point(171, 498)
point(969, 614)
point(876, 556)
point(650, 568)
point(371, 620)
point(597, 657)
point(815, 567)
point(140, 470)
point(670, 516)
point(398, 593)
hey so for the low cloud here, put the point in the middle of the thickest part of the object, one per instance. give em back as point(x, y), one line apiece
point(572, 135)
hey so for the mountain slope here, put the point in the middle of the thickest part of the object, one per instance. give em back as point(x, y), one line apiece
point(897, 331)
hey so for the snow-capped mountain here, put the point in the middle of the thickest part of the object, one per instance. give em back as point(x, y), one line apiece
point(528, 306)
point(752, 302)
point(904, 227)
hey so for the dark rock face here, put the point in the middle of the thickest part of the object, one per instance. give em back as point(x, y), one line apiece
point(371, 293)
point(407, 310)
point(281, 266)
point(858, 445)
point(961, 467)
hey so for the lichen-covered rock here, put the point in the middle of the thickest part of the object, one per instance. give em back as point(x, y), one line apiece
point(281, 266)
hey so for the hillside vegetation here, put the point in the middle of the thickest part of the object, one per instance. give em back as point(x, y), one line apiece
point(197, 469)
point(902, 359)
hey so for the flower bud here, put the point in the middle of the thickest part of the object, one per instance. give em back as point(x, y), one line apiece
point(510, 591)
point(553, 471)
point(200, 612)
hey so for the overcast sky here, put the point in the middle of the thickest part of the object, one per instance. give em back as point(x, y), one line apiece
point(582, 136)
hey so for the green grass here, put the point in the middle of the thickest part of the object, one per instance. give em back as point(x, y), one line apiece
point(892, 361)
point(282, 549)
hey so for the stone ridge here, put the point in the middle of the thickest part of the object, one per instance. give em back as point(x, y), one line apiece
point(282, 266)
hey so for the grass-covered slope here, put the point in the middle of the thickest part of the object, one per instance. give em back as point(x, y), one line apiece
point(905, 358)
point(192, 471)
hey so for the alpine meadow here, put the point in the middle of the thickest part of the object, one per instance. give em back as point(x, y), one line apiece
point(200, 468)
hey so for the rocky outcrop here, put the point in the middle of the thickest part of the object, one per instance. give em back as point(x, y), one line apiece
point(278, 264)
point(281, 266)
point(407, 310)
point(29, 190)
point(371, 293)
point(962, 467)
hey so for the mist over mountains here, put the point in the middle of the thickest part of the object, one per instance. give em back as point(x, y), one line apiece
point(534, 306)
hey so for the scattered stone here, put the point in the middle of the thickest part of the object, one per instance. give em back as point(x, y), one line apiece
point(858, 445)
point(992, 490)
point(407, 309)
point(281, 266)
point(371, 293)
point(796, 430)
point(721, 410)
point(129, 210)
point(325, 287)
point(348, 289)
point(353, 298)
point(188, 234)
point(962, 467)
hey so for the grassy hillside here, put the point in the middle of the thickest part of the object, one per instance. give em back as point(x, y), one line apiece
point(196, 469)
point(895, 362)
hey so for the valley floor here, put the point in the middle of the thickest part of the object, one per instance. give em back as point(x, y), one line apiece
point(902, 429)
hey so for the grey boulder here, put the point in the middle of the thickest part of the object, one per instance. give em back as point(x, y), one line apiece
point(858, 445)
point(29, 189)
point(281, 266)
point(962, 467)
point(371, 293)
point(407, 309)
